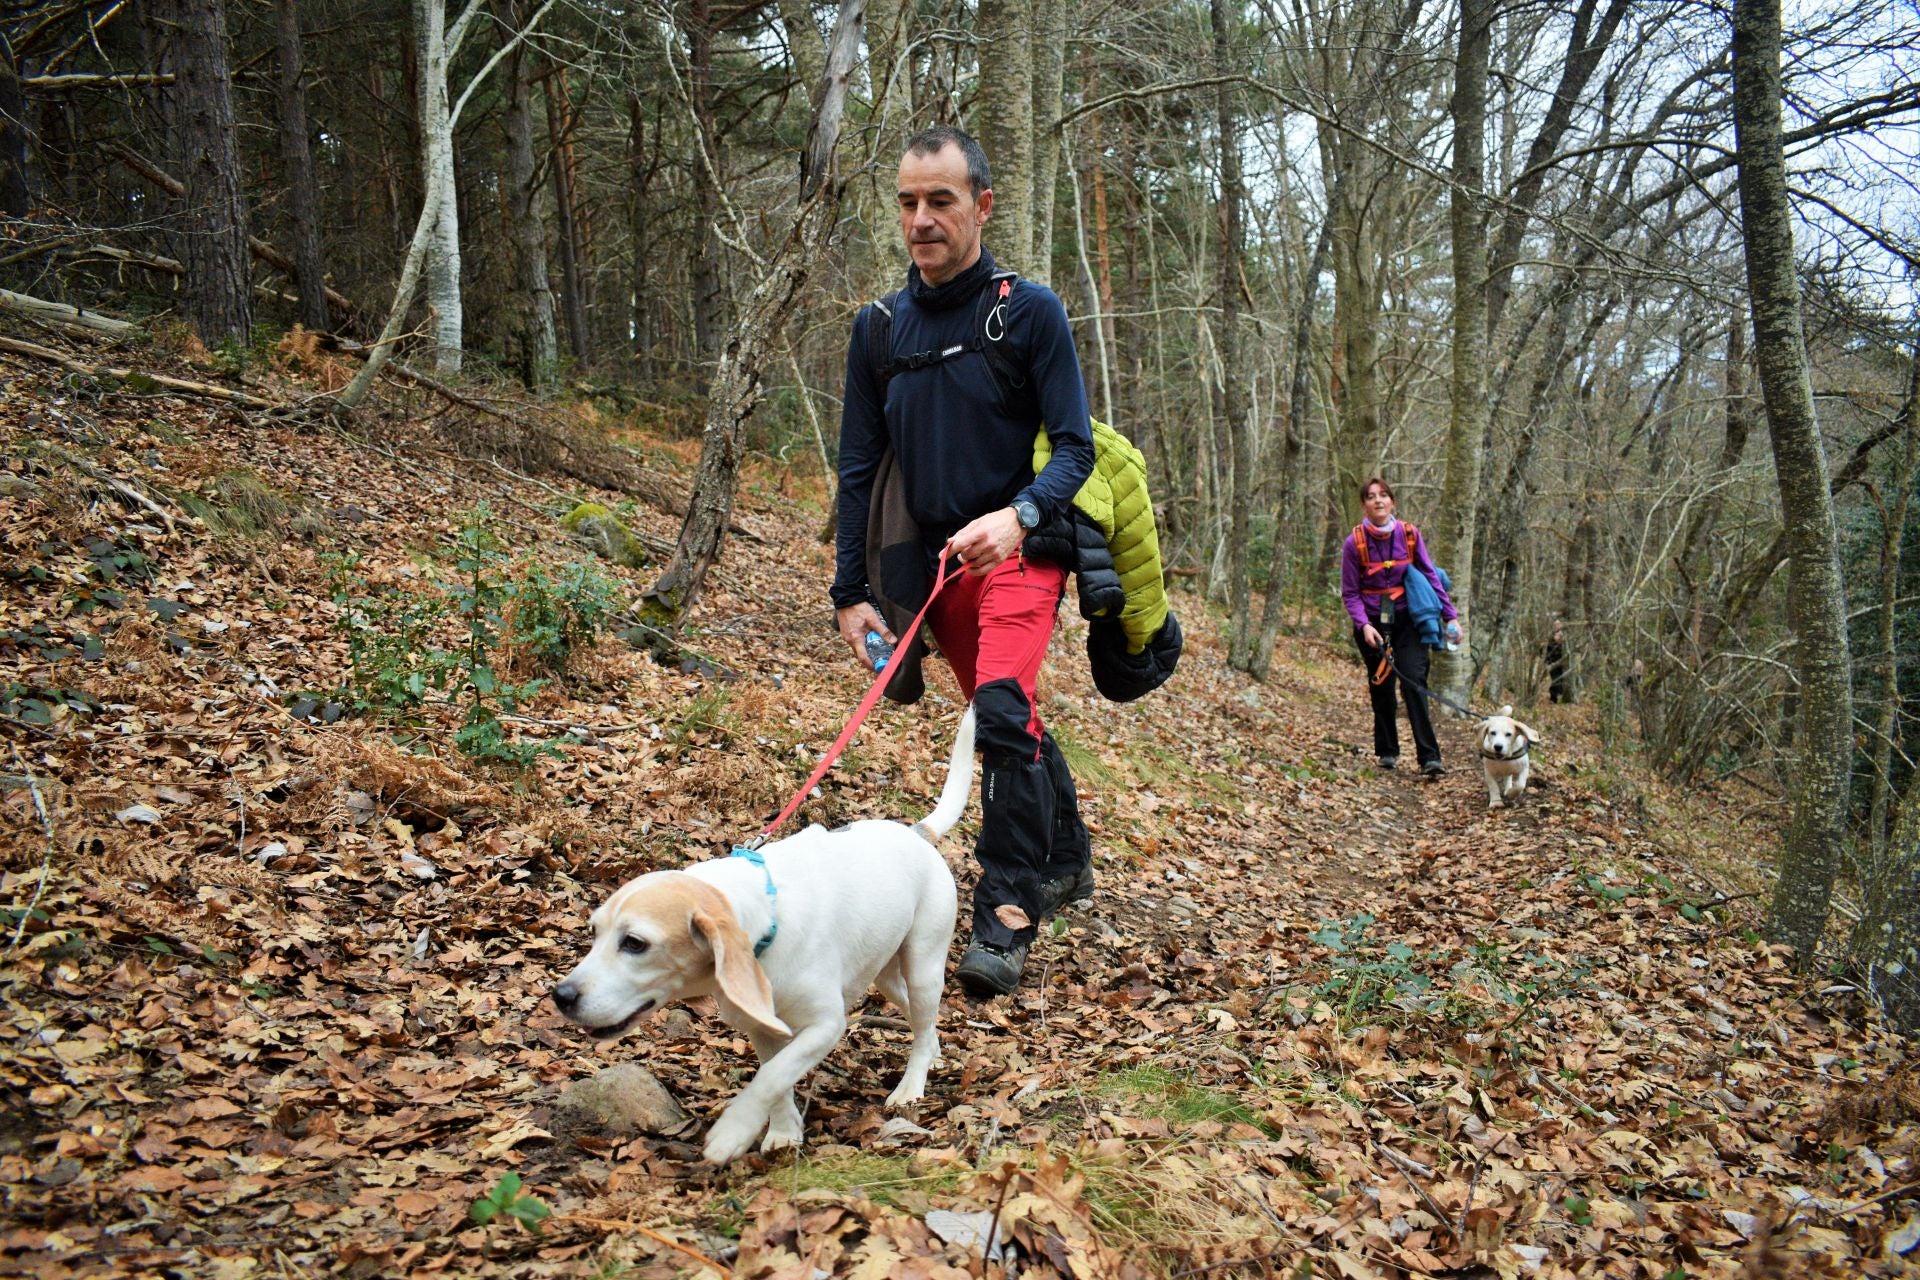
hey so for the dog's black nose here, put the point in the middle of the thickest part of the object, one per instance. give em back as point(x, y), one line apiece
point(566, 995)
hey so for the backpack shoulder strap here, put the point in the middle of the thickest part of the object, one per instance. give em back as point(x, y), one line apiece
point(996, 300)
point(880, 339)
point(1360, 549)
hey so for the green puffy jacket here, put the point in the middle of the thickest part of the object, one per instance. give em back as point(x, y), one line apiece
point(1115, 498)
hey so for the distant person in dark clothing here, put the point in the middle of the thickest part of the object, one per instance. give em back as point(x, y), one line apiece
point(1373, 569)
point(1559, 676)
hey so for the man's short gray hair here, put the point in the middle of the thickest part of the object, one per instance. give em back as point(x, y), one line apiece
point(929, 141)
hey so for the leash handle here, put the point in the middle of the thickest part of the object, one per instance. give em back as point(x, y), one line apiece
point(860, 713)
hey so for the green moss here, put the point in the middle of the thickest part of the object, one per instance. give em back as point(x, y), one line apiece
point(606, 535)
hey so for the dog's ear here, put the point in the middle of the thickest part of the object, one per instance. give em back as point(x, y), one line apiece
point(1532, 734)
point(743, 986)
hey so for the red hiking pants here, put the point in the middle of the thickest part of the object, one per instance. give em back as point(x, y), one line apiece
point(995, 628)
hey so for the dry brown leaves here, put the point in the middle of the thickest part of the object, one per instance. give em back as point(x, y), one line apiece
point(279, 1006)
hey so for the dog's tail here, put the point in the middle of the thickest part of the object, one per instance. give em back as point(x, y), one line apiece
point(959, 788)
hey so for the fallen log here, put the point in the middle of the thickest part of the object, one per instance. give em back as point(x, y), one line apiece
point(95, 80)
point(60, 313)
point(259, 248)
point(181, 386)
point(155, 262)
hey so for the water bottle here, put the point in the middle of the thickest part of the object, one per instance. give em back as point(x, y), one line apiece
point(1453, 637)
point(879, 652)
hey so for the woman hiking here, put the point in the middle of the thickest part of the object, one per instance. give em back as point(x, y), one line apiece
point(1373, 571)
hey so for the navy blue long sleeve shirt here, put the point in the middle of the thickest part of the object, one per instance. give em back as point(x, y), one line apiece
point(963, 450)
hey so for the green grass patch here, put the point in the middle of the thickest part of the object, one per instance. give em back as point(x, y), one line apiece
point(883, 1179)
point(1153, 1090)
point(1085, 763)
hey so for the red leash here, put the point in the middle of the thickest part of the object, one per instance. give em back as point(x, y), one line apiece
point(860, 713)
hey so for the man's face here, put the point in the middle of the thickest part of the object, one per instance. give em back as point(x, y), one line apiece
point(939, 216)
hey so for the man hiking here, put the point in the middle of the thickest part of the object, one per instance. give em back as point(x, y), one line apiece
point(968, 364)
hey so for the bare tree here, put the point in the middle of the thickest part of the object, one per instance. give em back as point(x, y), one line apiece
point(1452, 671)
point(754, 339)
point(1810, 853)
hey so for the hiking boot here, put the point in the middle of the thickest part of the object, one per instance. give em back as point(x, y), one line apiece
point(1065, 890)
point(1433, 768)
point(1389, 762)
point(987, 970)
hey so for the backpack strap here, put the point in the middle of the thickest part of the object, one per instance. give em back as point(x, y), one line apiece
point(880, 339)
point(1368, 566)
point(989, 337)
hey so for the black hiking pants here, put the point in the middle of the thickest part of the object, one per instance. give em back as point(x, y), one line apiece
point(1410, 658)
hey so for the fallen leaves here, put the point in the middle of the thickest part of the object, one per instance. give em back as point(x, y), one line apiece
point(285, 984)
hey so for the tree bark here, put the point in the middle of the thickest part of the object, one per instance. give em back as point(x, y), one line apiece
point(213, 244)
point(1906, 477)
point(539, 342)
point(296, 150)
point(1003, 116)
point(1816, 834)
point(1451, 672)
point(1889, 930)
point(1231, 393)
point(707, 300)
point(561, 119)
point(15, 196)
point(736, 379)
point(436, 164)
point(1299, 404)
point(1051, 25)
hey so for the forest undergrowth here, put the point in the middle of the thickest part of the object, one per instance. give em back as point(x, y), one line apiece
point(320, 747)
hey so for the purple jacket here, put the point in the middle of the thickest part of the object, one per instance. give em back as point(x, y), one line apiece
point(1391, 545)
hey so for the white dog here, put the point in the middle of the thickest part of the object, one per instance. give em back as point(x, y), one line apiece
point(829, 914)
point(1505, 745)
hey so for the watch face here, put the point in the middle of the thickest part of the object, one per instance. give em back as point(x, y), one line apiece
point(1027, 514)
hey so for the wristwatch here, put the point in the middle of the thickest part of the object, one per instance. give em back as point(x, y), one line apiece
point(1027, 514)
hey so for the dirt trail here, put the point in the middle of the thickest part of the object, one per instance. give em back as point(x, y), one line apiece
point(1316, 1012)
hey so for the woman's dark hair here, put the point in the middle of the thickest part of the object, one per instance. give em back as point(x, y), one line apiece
point(1376, 480)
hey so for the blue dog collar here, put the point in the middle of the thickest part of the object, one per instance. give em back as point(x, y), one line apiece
point(773, 894)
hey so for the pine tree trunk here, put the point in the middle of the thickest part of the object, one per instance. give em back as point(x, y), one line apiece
point(1816, 834)
point(1454, 525)
point(560, 122)
point(16, 197)
point(1003, 116)
point(736, 378)
point(296, 149)
point(213, 243)
point(539, 340)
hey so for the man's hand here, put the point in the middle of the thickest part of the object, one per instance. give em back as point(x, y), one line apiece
point(855, 621)
point(1371, 634)
point(985, 543)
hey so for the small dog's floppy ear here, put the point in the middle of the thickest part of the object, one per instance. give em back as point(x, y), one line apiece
point(1532, 735)
point(742, 982)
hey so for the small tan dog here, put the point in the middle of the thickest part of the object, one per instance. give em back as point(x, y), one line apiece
point(786, 940)
point(1505, 745)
